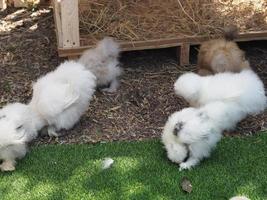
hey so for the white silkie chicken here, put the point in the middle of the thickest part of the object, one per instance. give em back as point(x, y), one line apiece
point(59, 99)
point(62, 96)
point(18, 126)
point(190, 134)
point(244, 88)
point(103, 62)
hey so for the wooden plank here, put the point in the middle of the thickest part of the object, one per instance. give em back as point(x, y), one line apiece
point(184, 53)
point(149, 44)
point(73, 57)
point(3, 4)
point(194, 40)
point(58, 24)
point(251, 36)
point(70, 23)
point(162, 43)
point(64, 52)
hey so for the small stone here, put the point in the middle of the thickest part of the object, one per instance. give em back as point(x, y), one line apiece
point(186, 185)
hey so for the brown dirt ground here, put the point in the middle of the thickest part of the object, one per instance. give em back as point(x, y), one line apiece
point(137, 111)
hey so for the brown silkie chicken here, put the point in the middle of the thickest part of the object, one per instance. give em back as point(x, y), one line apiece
point(221, 55)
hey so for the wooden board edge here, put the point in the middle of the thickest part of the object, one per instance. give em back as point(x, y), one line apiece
point(64, 52)
point(163, 43)
point(57, 21)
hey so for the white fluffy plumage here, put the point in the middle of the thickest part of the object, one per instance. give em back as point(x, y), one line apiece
point(244, 88)
point(59, 99)
point(103, 62)
point(194, 132)
point(18, 125)
point(62, 96)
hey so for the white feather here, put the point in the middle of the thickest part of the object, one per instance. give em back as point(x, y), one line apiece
point(107, 163)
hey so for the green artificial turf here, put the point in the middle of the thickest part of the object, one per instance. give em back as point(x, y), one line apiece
point(140, 171)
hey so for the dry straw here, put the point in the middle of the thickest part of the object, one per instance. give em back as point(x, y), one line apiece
point(135, 20)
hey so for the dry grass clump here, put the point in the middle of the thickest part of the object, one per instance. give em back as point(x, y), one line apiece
point(29, 4)
point(153, 19)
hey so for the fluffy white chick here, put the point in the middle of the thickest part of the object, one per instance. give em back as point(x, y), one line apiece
point(62, 96)
point(18, 126)
point(190, 134)
point(244, 88)
point(103, 62)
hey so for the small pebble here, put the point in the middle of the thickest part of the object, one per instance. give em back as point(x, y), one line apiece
point(186, 185)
